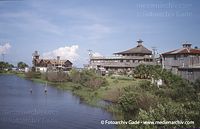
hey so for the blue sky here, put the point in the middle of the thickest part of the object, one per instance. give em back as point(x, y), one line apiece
point(104, 26)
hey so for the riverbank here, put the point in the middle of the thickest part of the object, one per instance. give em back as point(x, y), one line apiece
point(105, 97)
point(108, 93)
point(128, 98)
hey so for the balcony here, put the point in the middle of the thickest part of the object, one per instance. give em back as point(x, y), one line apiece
point(120, 64)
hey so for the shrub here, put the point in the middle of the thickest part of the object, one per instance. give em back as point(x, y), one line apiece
point(165, 112)
point(75, 76)
point(88, 78)
point(196, 86)
point(128, 103)
point(113, 95)
point(77, 87)
point(135, 98)
point(183, 91)
point(32, 74)
point(144, 84)
point(95, 82)
point(57, 76)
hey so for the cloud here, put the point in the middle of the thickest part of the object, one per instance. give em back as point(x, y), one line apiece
point(4, 48)
point(96, 54)
point(30, 21)
point(67, 52)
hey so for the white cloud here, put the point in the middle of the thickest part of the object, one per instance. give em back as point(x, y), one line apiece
point(67, 52)
point(4, 48)
point(96, 54)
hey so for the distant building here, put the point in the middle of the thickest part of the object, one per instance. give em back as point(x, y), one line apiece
point(184, 61)
point(123, 62)
point(43, 65)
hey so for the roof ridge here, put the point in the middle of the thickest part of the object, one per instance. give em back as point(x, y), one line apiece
point(137, 49)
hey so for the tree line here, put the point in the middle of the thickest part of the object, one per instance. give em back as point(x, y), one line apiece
point(8, 66)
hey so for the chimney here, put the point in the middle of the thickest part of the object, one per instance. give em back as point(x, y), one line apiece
point(187, 45)
point(139, 42)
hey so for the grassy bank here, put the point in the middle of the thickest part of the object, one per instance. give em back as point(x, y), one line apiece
point(108, 93)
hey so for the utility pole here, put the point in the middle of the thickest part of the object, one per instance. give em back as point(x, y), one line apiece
point(90, 55)
point(154, 53)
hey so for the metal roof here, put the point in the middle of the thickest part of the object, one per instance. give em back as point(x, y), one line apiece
point(189, 51)
point(139, 49)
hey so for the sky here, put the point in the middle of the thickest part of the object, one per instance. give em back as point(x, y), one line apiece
point(69, 28)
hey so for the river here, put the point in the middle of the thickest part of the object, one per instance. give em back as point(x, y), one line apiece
point(58, 109)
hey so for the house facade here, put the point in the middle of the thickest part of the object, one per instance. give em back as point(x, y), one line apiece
point(123, 62)
point(184, 61)
point(44, 65)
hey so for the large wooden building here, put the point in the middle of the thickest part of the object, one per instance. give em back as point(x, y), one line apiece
point(184, 61)
point(43, 65)
point(123, 62)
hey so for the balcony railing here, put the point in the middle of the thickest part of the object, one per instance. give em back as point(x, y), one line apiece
point(120, 64)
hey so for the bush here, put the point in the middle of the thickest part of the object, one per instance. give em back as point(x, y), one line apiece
point(196, 86)
point(32, 74)
point(77, 87)
point(113, 95)
point(75, 76)
point(128, 103)
point(132, 101)
point(57, 76)
point(88, 78)
point(144, 84)
point(95, 82)
point(165, 112)
point(183, 91)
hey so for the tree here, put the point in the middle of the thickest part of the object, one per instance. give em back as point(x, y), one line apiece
point(5, 65)
point(22, 65)
point(148, 71)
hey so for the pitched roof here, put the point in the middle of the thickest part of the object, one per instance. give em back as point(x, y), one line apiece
point(189, 51)
point(139, 49)
point(53, 61)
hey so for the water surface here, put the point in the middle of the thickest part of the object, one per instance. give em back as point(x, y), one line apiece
point(21, 109)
